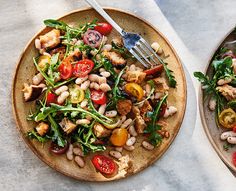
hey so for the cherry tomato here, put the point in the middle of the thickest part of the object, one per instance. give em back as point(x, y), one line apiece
point(157, 69)
point(227, 118)
point(234, 158)
point(83, 67)
point(134, 90)
point(65, 68)
point(54, 148)
point(162, 110)
point(103, 28)
point(119, 137)
point(76, 93)
point(234, 128)
point(51, 98)
point(43, 62)
point(92, 38)
point(98, 97)
point(104, 164)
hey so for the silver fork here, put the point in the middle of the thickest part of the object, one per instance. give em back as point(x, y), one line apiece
point(135, 44)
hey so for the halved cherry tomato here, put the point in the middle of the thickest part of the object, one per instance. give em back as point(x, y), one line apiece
point(92, 38)
point(65, 68)
point(76, 93)
point(162, 110)
point(227, 118)
point(83, 67)
point(134, 90)
point(157, 69)
point(54, 148)
point(51, 98)
point(98, 97)
point(119, 137)
point(234, 158)
point(234, 129)
point(104, 164)
point(103, 28)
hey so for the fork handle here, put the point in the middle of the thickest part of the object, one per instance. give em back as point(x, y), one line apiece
point(101, 11)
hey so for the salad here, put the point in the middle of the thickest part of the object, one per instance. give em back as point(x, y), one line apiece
point(90, 96)
point(220, 91)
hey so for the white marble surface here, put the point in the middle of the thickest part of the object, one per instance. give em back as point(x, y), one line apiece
point(190, 164)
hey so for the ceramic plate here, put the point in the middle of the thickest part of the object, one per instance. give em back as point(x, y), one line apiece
point(139, 158)
point(208, 118)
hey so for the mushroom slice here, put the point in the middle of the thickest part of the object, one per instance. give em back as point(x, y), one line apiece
point(67, 125)
point(31, 92)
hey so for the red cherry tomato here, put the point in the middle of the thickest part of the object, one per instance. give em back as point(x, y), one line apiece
point(83, 67)
point(234, 158)
point(157, 69)
point(234, 128)
point(65, 68)
point(92, 38)
point(98, 97)
point(103, 28)
point(162, 110)
point(104, 164)
point(54, 148)
point(51, 98)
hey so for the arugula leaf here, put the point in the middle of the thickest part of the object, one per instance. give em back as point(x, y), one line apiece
point(154, 137)
point(108, 67)
point(56, 133)
point(170, 76)
point(55, 24)
point(34, 135)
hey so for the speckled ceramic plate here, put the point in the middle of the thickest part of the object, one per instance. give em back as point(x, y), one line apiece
point(139, 158)
point(208, 118)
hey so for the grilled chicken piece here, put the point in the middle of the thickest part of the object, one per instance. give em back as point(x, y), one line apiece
point(116, 59)
point(50, 39)
point(42, 128)
point(100, 131)
point(146, 107)
point(135, 76)
point(118, 41)
point(32, 92)
point(61, 50)
point(124, 106)
point(139, 121)
point(227, 91)
point(161, 85)
point(67, 125)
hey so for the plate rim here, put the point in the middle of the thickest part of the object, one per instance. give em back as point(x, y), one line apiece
point(19, 125)
point(228, 163)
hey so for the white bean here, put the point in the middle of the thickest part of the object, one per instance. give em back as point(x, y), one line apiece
point(123, 118)
point(111, 113)
point(69, 153)
point(80, 161)
point(126, 123)
point(62, 97)
point(132, 131)
point(222, 82)
point(115, 154)
point(37, 44)
point(212, 104)
point(119, 149)
point(231, 140)
point(147, 145)
point(227, 134)
point(105, 74)
point(81, 80)
point(129, 148)
point(84, 103)
point(130, 141)
point(102, 70)
point(102, 109)
point(37, 79)
point(96, 86)
point(132, 68)
point(170, 111)
point(78, 151)
point(102, 80)
point(85, 85)
point(105, 87)
point(93, 77)
point(157, 47)
point(106, 47)
point(82, 121)
point(61, 89)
